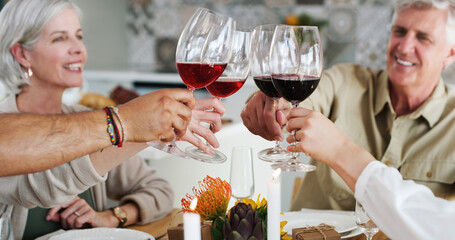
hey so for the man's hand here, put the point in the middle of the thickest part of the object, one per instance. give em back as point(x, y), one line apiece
point(159, 115)
point(263, 118)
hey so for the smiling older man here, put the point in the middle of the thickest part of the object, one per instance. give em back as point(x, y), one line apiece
point(403, 115)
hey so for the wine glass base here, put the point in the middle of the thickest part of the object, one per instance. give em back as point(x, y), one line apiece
point(274, 155)
point(199, 155)
point(294, 167)
point(169, 148)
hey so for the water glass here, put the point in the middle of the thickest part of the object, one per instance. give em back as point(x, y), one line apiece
point(6, 232)
point(242, 177)
point(364, 222)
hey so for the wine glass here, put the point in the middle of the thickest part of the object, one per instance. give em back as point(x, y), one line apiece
point(5, 223)
point(364, 222)
point(260, 70)
point(241, 176)
point(230, 81)
point(203, 51)
point(296, 63)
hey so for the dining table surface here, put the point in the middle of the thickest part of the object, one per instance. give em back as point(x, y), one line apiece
point(158, 229)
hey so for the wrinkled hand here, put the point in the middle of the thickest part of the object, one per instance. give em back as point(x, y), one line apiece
point(209, 110)
point(79, 214)
point(160, 115)
point(262, 118)
point(317, 136)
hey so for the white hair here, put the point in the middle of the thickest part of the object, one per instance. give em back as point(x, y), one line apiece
point(427, 4)
point(22, 21)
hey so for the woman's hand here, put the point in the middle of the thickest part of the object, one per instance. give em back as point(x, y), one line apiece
point(79, 214)
point(317, 136)
point(209, 110)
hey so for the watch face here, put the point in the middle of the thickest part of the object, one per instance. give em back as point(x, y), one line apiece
point(120, 213)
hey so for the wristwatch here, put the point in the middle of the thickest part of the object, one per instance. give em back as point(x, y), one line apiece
point(120, 215)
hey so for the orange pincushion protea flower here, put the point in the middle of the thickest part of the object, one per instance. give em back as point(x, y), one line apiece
point(213, 198)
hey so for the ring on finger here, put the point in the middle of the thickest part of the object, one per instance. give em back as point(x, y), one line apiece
point(293, 135)
point(77, 213)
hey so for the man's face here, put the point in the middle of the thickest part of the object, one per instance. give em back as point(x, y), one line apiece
point(418, 49)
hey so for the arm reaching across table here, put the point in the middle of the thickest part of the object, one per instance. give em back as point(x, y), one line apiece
point(31, 142)
point(400, 208)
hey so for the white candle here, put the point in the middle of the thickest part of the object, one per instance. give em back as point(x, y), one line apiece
point(273, 206)
point(192, 223)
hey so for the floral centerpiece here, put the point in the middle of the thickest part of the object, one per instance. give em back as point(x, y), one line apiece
point(245, 220)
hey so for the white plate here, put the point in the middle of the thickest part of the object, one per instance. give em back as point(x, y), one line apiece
point(343, 223)
point(102, 234)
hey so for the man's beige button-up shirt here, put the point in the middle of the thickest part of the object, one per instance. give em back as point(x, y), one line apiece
point(421, 144)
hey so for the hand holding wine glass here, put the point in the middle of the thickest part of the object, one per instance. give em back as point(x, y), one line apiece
point(241, 176)
point(260, 70)
point(364, 222)
point(203, 51)
point(206, 110)
point(296, 64)
point(230, 81)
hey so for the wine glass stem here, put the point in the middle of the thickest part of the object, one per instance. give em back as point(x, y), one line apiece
point(275, 106)
point(369, 235)
point(295, 155)
point(277, 144)
point(211, 125)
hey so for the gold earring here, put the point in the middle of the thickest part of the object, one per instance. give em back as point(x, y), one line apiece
point(28, 73)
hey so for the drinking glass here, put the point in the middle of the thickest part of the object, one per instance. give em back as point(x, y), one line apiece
point(296, 63)
point(6, 232)
point(203, 52)
point(230, 81)
point(241, 176)
point(364, 222)
point(260, 70)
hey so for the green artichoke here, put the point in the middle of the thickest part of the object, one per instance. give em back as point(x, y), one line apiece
point(243, 224)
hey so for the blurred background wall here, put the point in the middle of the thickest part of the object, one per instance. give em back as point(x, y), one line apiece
point(142, 35)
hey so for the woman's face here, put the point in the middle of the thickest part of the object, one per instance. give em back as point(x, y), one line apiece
point(59, 55)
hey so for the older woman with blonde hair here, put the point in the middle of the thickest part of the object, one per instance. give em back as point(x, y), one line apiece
point(41, 55)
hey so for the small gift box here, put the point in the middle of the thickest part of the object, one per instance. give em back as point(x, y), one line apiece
point(176, 233)
point(320, 232)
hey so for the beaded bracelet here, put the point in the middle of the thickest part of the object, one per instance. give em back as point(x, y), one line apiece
point(118, 141)
point(115, 110)
point(110, 127)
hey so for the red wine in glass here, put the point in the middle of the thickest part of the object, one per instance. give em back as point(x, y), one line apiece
point(265, 84)
point(295, 88)
point(199, 75)
point(296, 64)
point(225, 86)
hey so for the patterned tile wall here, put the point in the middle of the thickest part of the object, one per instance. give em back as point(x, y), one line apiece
point(357, 30)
